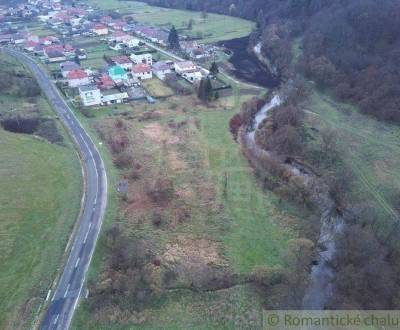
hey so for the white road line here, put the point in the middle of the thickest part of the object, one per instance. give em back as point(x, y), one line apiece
point(56, 319)
point(86, 236)
point(48, 295)
point(77, 262)
point(66, 291)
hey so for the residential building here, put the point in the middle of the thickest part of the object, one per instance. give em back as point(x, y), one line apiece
point(161, 69)
point(77, 78)
point(90, 95)
point(123, 61)
point(105, 82)
point(100, 29)
point(54, 56)
point(184, 66)
point(142, 71)
point(145, 58)
point(114, 97)
point(67, 67)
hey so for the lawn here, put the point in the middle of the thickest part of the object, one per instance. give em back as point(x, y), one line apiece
point(212, 29)
point(256, 235)
point(157, 88)
point(369, 147)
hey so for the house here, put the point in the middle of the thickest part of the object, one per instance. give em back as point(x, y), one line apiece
point(30, 46)
point(100, 29)
point(18, 39)
point(117, 74)
point(142, 71)
point(106, 20)
point(90, 95)
point(105, 82)
point(38, 50)
point(119, 36)
point(189, 71)
point(161, 69)
point(184, 66)
point(123, 61)
point(67, 67)
point(54, 56)
point(131, 42)
point(114, 97)
point(77, 78)
point(5, 38)
point(192, 76)
point(145, 58)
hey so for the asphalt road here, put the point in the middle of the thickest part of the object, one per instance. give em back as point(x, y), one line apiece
point(69, 289)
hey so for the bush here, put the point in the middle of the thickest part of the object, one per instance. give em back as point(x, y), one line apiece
point(123, 160)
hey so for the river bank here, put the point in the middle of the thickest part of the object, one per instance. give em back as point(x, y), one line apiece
point(320, 288)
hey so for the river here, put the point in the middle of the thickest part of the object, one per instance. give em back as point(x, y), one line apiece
point(320, 288)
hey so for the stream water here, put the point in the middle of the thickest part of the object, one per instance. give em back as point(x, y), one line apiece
point(321, 288)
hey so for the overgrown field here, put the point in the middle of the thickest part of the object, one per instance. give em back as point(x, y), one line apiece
point(193, 225)
point(370, 150)
point(211, 28)
point(39, 201)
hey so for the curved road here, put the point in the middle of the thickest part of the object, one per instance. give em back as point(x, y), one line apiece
point(70, 284)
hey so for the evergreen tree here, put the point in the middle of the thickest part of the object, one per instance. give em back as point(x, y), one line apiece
point(173, 39)
point(205, 91)
point(214, 68)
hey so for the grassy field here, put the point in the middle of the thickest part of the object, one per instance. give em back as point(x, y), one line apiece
point(157, 88)
point(213, 28)
point(370, 148)
point(243, 225)
point(39, 202)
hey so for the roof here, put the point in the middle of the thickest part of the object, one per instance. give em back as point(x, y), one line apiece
point(88, 88)
point(121, 59)
point(161, 66)
point(77, 74)
point(100, 26)
point(186, 65)
point(141, 68)
point(116, 70)
point(69, 66)
point(55, 54)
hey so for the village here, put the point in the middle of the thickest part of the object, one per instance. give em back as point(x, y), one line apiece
point(97, 59)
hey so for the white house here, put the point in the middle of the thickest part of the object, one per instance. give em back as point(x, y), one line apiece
point(90, 95)
point(142, 71)
point(131, 42)
point(145, 58)
point(193, 76)
point(189, 71)
point(77, 78)
point(114, 97)
point(185, 66)
point(161, 69)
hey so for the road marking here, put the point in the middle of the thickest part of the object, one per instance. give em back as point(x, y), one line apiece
point(77, 262)
point(48, 295)
point(66, 291)
point(56, 319)
point(86, 236)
